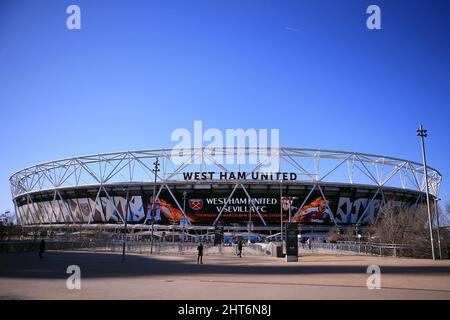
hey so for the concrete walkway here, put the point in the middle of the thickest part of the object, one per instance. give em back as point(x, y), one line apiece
point(104, 276)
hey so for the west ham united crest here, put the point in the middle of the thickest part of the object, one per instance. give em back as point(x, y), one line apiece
point(285, 203)
point(196, 204)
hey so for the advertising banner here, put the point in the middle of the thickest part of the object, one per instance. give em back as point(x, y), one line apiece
point(213, 206)
point(207, 207)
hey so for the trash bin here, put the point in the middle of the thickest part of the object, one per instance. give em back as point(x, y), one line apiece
point(277, 251)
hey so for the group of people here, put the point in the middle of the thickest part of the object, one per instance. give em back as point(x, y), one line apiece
point(200, 251)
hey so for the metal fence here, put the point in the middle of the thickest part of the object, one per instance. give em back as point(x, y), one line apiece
point(252, 249)
point(366, 248)
point(249, 249)
point(114, 245)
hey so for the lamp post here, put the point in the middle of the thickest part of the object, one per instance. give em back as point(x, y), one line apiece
point(184, 211)
point(291, 199)
point(422, 133)
point(436, 209)
point(173, 231)
point(249, 223)
point(125, 225)
point(152, 212)
point(359, 243)
point(281, 210)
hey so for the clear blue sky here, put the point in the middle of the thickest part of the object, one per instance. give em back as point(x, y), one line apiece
point(137, 70)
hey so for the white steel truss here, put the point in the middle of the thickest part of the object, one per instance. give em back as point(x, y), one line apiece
point(312, 166)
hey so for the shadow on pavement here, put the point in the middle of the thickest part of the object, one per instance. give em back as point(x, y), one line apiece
point(99, 265)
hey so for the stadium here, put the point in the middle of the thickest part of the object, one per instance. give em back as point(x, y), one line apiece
point(196, 189)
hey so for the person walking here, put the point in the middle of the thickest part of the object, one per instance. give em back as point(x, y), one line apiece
point(200, 253)
point(239, 249)
point(41, 249)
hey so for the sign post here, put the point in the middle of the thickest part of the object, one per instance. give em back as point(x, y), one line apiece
point(183, 223)
point(291, 242)
point(218, 235)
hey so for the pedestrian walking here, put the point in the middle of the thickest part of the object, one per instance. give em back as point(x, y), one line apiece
point(200, 253)
point(239, 249)
point(41, 249)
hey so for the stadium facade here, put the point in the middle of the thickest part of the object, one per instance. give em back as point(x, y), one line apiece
point(202, 187)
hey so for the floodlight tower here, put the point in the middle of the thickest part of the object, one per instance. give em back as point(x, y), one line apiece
point(422, 133)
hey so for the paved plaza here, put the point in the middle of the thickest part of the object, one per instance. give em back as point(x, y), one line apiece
point(172, 276)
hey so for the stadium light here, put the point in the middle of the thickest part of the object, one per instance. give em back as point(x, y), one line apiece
point(422, 133)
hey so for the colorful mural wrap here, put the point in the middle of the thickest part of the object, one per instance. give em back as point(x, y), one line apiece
point(210, 207)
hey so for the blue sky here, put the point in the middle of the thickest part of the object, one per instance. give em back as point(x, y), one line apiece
point(137, 70)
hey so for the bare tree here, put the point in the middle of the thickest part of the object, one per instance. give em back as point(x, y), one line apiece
point(444, 216)
point(402, 226)
point(349, 234)
point(444, 230)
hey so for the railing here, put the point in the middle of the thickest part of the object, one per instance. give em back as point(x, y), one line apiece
point(114, 245)
point(251, 249)
point(260, 248)
point(146, 247)
point(29, 245)
point(366, 248)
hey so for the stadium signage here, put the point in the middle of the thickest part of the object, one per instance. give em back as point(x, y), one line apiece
point(241, 175)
